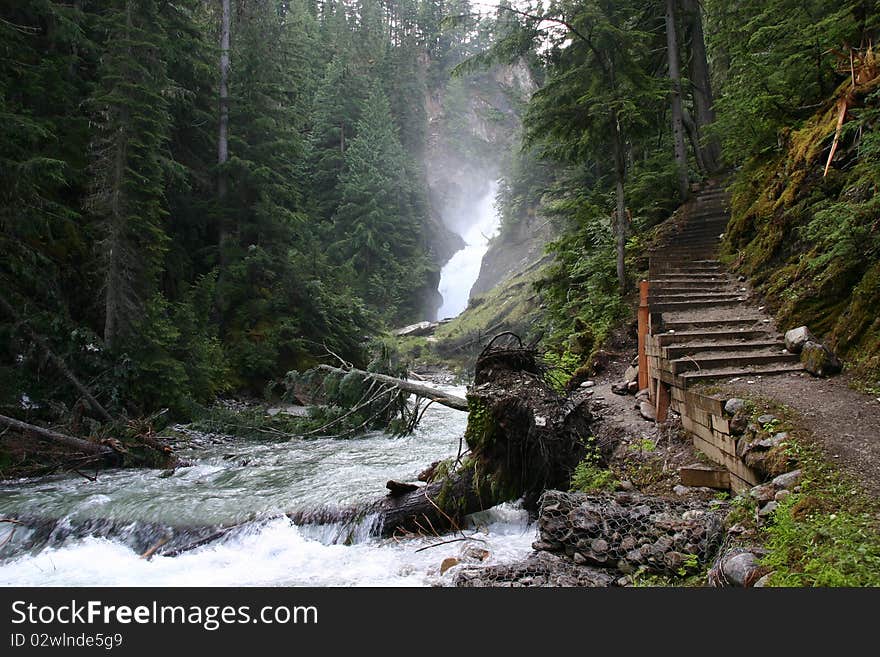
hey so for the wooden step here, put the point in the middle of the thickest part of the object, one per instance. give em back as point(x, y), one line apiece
point(687, 279)
point(677, 306)
point(681, 325)
point(668, 297)
point(716, 360)
point(659, 289)
point(723, 335)
point(691, 378)
point(694, 348)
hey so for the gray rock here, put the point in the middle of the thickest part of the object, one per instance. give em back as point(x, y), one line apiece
point(734, 406)
point(588, 384)
point(631, 374)
point(788, 480)
point(775, 441)
point(739, 423)
point(819, 361)
point(620, 388)
point(643, 394)
point(781, 495)
point(681, 490)
point(766, 419)
point(739, 568)
point(599, 546)
point(647, 411)
point(763, 493)
point(768, 509)
point(796, 338)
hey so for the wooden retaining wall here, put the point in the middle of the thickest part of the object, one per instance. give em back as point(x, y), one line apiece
point(702, 415)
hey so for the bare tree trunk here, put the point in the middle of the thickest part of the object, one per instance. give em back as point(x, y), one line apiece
point(677, 122)
point(620, 212)
point(694, 137)
point(702, 86)
point(223, 130)
point(114, 245)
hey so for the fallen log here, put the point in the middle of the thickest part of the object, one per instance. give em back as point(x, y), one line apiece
point(438, 396)
point(48, 435)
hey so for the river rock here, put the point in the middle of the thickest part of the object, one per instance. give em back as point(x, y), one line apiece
point(734, 406)
point(768, 509)
point(767, 418)
point(736, 567)
point(474, 553)
point(631, 374)
point(788, 480)
point(620, 388)
point(796, 338)
point(781, 495)
point(763, 493)
point(643, 394)
point(647, 411)
point(818, 360)
point(588, 384)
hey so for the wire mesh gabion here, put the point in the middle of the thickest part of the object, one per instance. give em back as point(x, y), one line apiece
point(628, 531)
point(596, 539)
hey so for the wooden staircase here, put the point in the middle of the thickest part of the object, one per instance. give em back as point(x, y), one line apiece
point(702, 323)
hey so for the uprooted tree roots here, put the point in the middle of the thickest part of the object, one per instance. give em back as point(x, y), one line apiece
point(522, 438)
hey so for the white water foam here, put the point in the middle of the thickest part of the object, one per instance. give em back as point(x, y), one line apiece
point(278, 554)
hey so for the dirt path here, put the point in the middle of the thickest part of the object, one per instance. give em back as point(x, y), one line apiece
point(843, 421)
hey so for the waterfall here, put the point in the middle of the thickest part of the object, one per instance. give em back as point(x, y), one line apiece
point(461, 272)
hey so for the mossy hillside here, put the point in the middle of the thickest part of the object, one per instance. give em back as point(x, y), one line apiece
point(512, 305)
point(811, 243)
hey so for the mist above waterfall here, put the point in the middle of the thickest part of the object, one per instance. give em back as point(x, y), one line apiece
point(477, 223)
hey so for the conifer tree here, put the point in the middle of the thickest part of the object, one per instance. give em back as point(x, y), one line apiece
point(133, 125)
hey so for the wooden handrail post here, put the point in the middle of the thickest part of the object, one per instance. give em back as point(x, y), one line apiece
point(643, 334)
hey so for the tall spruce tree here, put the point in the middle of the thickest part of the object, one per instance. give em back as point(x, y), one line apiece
point(128, 153)
point(377, 235)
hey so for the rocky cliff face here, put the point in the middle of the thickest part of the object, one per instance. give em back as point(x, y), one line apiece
point(472, 123)
point(513, 251)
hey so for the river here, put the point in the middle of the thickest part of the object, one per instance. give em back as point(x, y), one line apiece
point(233, 480)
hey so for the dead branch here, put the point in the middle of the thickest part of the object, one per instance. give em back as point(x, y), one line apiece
point(48, 435)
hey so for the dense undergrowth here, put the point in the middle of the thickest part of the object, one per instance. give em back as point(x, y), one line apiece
point(811, 243)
